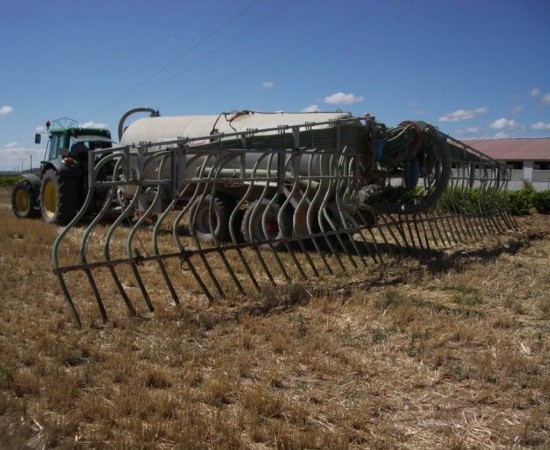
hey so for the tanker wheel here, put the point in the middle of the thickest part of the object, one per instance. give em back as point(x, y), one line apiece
point(23, 201)
point(211, 224)
point(257, 228)
point(58, 198)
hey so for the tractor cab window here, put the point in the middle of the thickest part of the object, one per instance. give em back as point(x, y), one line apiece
point(56, 141)
point(80, 145)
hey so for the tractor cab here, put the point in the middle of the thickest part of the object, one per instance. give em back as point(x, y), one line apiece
point(70, 143)
point(59, 191)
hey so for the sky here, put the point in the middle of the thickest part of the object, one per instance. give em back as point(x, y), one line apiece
point(473, 68)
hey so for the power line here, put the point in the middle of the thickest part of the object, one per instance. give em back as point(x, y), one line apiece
point(272, 58)
point(182, 55)
point(228, 44)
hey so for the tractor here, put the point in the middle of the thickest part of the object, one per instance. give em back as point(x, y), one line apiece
point(58, 191)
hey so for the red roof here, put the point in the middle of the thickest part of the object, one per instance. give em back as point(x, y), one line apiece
point(510, 149)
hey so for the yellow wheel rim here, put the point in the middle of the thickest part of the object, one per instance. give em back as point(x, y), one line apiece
point(49, 198)
point(21, 200)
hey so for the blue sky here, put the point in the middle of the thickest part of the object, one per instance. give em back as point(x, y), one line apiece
point(474, 68)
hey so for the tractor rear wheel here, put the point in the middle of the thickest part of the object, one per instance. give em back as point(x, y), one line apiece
point(23, 201)
point(59, 199)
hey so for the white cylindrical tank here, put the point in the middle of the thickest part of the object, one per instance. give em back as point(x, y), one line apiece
point(159, 129)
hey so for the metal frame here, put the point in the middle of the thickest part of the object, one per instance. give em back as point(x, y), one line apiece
point(312, 194)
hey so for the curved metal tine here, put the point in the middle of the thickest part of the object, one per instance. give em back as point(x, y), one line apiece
point(55, 252)
point(351, 191)
point(480, 200)
point(162, 155)
point(420, 229)
point(374, 253)
point(271, 202)
point(348, 223)
point(399, 225)
point(391, 224)
point(463, 208)
point(484, 182)
point(504, 206)
point(287, 204)
point(256, 245)
point(476, 212)
point(106, 249)
point(323, 213)
point(467, 200)
point(89, 230)
point(156, 229)
point(334, 177)
point(432, 226)
point(295, 160)
point(449, 227)
point(200, 194)
point(491, 202)
point(312, 205)
point(458, 192)
point(232, 221)
point(406, 224)
point(507, 210)
point(245, 198)
point(185, 254)
point(213, 177)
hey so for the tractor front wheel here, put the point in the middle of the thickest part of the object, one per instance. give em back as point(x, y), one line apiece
point(23, 201)
point(59, 200)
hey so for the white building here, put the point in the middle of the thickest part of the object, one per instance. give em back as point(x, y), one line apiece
point(527, 158)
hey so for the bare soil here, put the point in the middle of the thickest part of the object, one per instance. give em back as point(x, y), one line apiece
point(446, 350)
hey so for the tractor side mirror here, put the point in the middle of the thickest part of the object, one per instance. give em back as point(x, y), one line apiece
point(37, 138)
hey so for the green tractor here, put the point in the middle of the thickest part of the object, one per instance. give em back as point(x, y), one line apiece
point(58, 192)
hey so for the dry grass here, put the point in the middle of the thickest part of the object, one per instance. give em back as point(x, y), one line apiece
point(450, 351)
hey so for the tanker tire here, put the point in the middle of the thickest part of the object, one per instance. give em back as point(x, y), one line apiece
point(23, 201)
point(253, 229)
point(209, 226)
point(59, 199)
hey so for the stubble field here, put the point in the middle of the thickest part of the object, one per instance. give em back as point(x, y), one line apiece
point(449, 351)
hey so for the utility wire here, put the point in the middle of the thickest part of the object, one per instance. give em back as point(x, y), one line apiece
point(182, 55)
point(230, 43)
point(281, 55)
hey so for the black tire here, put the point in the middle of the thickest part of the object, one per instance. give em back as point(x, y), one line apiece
point(254, 230)
point(211, 224)
point(59, 198)
point(23, 201)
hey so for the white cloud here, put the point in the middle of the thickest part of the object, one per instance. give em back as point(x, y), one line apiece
point(546, 98)
point(5, 110)
point(500, 135)
point(472, 130)
point(517, 109)
point(268, 84)
point(311, 108)
point(535, 92)
point(92, 124)
point(462, 114)
point(541, 126)
point(505, 124)
point(14, 157)
point(341, 98)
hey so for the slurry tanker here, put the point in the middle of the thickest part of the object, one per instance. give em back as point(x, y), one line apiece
point(318, 191)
